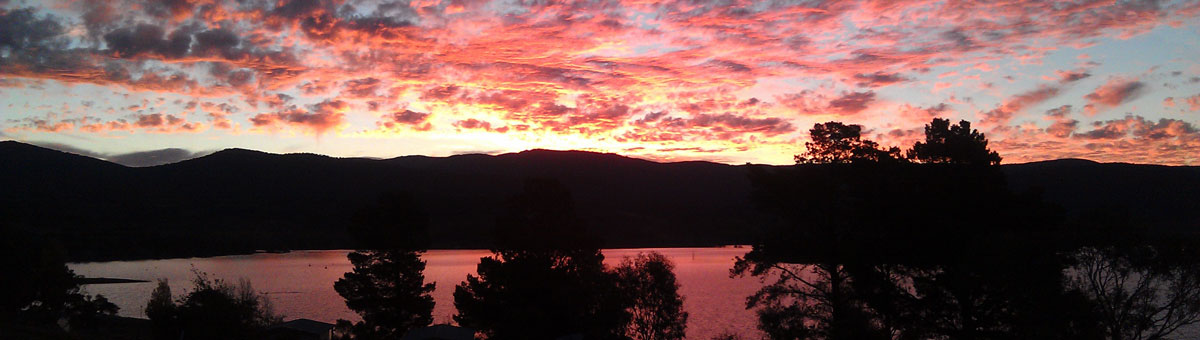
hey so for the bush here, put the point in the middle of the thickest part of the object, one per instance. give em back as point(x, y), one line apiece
point(214, 309)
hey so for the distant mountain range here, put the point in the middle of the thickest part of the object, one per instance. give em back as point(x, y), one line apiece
point(239, 200)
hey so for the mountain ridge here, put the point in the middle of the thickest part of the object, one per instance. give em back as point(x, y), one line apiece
point(536, 151)
point(240, 200)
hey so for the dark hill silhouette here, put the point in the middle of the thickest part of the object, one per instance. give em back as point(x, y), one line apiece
point(240, 200)
point(1161, 197)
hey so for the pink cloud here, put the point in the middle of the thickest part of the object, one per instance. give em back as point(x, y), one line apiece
point(1016, 104)
point(852, 102)
point(475, 124)
point(1193, 102)
point(1113, 93)
point(323, 117)
point(680, 75)
point(923, 114)
point(417, 120)
point(1071, 76)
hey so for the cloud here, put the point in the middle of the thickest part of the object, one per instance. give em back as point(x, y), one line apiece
point(923, 114)
point(852, 102)
point(475, 124)
point(22, 30)
point(145, 40)
point(153, 157)
point(1142, 128)
point(651, 117)
point(681, 75)
point(1130, 139)
point(1193, 102)
point(878, 79)
point(1071, 76)
point(43, 125)
point(319, 119)
point(153, 120)
point(767, 126)
point(109, 126)
point(174, 9)
point(1113, 93)
point(406, 118)
point(441, 92)
point(362, 88)
point(814, 103)
point(1018, 103)
point(1063, 128)
point(1059, 112)
point(132, 159)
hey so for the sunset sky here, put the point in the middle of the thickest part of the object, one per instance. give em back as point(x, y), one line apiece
point(725, 81)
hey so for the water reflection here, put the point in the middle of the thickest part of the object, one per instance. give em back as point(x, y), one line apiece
point(300, 284)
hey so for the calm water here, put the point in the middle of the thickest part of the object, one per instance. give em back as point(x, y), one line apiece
point(300, 284)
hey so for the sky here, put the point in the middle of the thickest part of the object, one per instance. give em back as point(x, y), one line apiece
point(724, 81)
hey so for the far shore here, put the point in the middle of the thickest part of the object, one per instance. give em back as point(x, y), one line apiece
point(105, 280)
point(296, 250)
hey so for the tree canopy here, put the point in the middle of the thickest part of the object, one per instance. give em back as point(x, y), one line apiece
point(871, 245)
point(213, 309)
point(837, 143)
point(953, 144)
point(547, 279)
point(655, 306)
point(386, 286)
point(387, 289)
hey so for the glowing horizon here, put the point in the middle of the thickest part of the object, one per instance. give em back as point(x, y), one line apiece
point(730, 82)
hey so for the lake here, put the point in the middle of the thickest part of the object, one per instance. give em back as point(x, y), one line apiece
point(300, 283)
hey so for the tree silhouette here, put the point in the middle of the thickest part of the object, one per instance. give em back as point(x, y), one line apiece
point(833, 205)
point(656, 309)
point(811, 301)
point(836, 143)
point(213, 309)
point(387, 285)
point(546, 277)
point(162, 312)
point(953, 144)
point(39, 289)
point(386, 288)
point(1140, 292)
point(869, 245)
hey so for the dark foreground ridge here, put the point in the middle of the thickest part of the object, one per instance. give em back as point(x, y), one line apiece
point(238, 201)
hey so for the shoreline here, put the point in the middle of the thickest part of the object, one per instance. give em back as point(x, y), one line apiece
point(746, 246)
point(105, 280)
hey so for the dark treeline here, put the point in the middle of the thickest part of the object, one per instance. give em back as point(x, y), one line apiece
point(932, 243)
point(239, 201)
